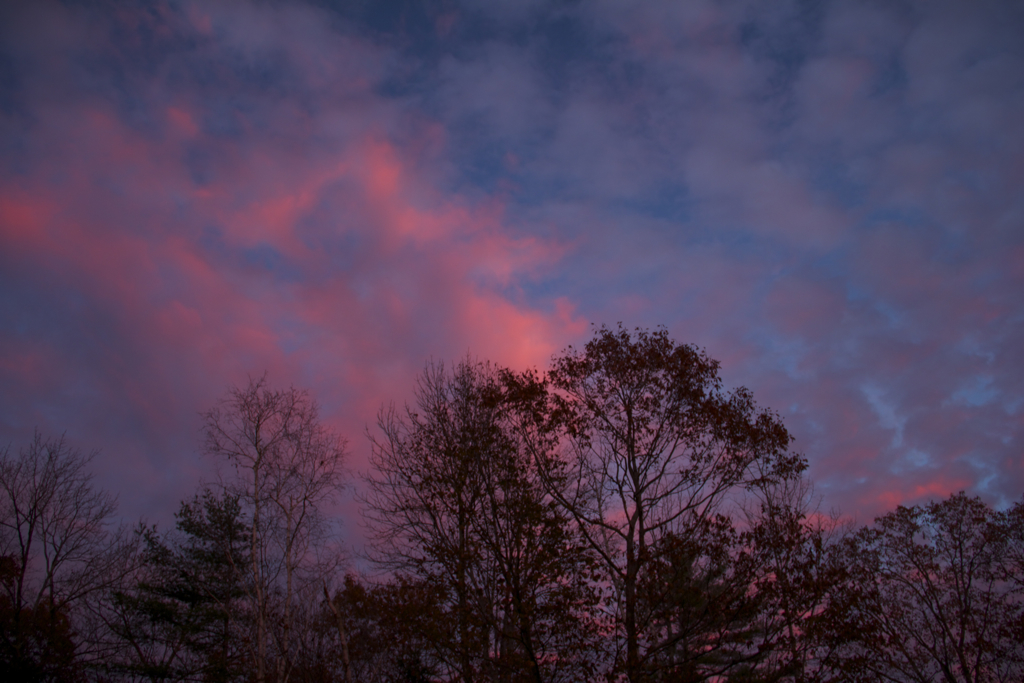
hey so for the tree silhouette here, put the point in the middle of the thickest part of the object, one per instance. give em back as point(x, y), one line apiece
point(654, 452)
point(56, 553)
point(929, 593)
point(455, 501)
point(181, 615)
point(287, 466)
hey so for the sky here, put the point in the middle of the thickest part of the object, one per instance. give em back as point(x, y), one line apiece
point(828, 197)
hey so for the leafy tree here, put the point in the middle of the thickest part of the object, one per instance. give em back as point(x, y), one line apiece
point(393, 629)
point(654, 454)
point(456, 502)
point(929, 593)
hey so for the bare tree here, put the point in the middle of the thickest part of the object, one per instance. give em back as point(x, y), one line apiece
point(287, 467)
point(55, 548)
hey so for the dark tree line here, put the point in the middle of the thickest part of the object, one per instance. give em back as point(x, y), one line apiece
point(621, 517)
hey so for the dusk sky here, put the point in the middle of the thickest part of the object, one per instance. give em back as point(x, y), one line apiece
point(828, 197)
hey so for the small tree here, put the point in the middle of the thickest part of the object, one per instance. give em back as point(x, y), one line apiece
point(178, 616)
point(287, 467)
point(56, 552)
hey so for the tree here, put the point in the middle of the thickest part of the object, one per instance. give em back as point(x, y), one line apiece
point(179, 614)
point(1011, 526)
point(654, 451)
point(392, 629)
point(455, 502)
point(929, 593)
point(56, 552)
point(786, 550)
point(37, 643)
point(426, 491)
point(287, 467)
point(541, 574)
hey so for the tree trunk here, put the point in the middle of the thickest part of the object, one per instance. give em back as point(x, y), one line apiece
point(632, 640)
point(346, 662)
point(462, 589)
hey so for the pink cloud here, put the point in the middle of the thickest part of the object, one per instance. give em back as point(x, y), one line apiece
point(888, 499)
point(223, 189)
point(430, 276)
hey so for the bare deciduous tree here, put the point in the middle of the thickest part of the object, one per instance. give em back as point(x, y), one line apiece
point(427, 491)
point(287, 466)
point(55, 547)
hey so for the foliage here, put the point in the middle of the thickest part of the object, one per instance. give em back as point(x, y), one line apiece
point(392, 628)
point(456, 502)
point(655, 453)
point(182, 616)
point(621, 518)
point(37, 643)
point(929, 593)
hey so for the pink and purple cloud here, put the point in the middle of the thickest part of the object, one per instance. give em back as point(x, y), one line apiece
point(827, 197)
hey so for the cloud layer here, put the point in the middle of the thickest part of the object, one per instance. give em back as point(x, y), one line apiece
point(826, 196)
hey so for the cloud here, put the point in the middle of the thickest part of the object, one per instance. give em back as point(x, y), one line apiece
point(824, 196)
point(152, 266)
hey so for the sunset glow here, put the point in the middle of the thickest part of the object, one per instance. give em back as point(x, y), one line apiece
point(830, 202)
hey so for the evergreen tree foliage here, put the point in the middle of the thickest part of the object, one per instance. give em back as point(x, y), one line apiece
point(184, 616)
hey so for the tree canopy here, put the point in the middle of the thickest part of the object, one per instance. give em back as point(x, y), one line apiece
point(620, 517)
